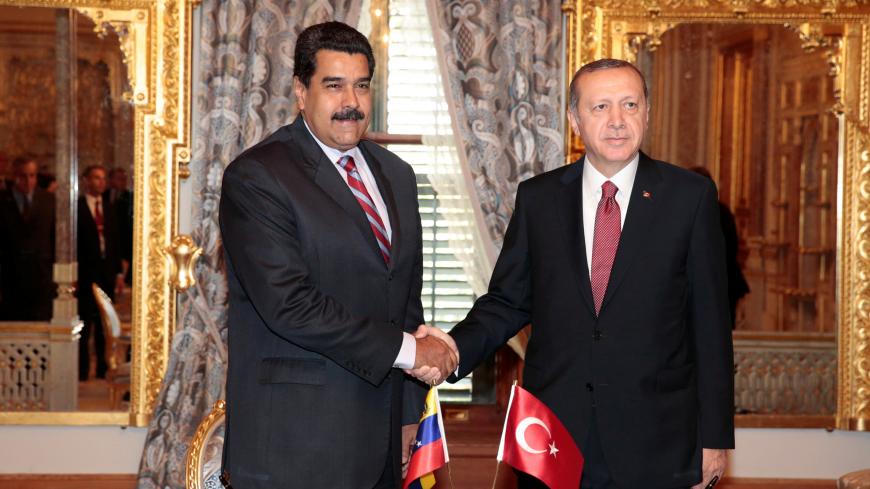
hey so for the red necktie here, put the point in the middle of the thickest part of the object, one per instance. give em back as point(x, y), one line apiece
point(98, 216)
point(605, 241)
point(358, 188)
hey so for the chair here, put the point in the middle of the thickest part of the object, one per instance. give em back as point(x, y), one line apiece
point(855, 480)
point(204, 455)
point(117, 348)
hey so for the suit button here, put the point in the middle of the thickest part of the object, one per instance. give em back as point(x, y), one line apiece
point(589, 387)
point(596, 335)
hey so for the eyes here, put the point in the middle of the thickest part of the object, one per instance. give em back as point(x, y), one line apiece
point(628, 106)
point(336, 85)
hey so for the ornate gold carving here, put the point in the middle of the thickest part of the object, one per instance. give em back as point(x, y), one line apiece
point(840, 30)
point(155, 39)
point(182, 255)
point(201, 448)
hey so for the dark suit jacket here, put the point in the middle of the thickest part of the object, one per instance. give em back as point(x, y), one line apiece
point(316, 317)
point(657, 361)
point(94, 266)
point(26, 257)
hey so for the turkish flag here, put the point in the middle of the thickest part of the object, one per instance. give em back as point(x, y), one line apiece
point(534, 441)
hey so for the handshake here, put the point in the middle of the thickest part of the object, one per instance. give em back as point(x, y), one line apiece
point(437, 356)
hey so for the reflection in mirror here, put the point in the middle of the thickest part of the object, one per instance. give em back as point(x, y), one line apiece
point(752, 107)
point(45, 366)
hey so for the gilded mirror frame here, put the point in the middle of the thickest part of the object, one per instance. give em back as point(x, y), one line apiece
point(155, 38)
point(840, 30)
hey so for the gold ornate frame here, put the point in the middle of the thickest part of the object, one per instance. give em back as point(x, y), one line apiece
point(617, 28)
point(156, 42)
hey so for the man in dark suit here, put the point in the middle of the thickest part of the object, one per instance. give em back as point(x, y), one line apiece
point(618, 263)
point(27, 247)
point(99, 262)
point(121, 199)
point(324, 261)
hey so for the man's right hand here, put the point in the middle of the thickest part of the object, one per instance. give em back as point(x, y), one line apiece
point(436, 358)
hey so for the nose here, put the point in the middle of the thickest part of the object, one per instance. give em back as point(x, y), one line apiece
point(616, 121)
point(350, 98)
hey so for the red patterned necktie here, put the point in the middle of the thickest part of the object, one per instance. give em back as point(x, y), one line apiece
point(605, 241)
point(358, 188)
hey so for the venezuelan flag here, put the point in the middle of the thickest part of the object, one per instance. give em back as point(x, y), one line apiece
point(430, 448)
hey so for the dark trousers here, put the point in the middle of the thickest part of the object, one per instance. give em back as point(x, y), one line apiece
point(93, 327)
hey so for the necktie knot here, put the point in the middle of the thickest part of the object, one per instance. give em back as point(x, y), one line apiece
point(608, 190)
point(346, 162)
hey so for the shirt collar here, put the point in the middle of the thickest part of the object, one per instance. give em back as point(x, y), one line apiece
point(331, 153)
point(624, 179)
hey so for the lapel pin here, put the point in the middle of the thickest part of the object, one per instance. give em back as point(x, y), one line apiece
point(647, 195)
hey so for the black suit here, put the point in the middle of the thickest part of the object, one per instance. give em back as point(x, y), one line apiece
point(26, 257)
point(99, 267)
point(122, 206)
point(316, 317)
point(654, 370)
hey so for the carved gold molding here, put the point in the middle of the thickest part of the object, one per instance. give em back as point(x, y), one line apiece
point(194, 462)
point(155, 41)
point(840, 30)
point(182, 254)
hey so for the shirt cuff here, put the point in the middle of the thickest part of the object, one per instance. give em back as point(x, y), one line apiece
point(407, 353)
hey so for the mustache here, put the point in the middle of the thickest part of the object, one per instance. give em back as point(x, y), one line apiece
point(349, 114)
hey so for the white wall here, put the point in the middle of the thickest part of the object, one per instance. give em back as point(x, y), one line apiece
point(774, 453)
point(70, 449)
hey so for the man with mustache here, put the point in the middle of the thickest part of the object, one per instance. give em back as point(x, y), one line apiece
point(618, 263)
point(324, 261)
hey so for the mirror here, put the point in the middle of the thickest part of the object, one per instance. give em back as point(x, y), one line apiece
point(99, 85)
point(766, 98)
point(103, 224)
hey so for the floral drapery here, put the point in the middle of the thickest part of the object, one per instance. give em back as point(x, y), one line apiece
point(502, 64)
point(242, 92)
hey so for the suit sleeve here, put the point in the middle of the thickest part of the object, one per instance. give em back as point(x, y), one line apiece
point(414, 391)
point(710, 326)
point(261, 239)
point(500, 313)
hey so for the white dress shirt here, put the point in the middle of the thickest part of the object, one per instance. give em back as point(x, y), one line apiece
point(93, 202)
point(408, 352)
point(592, 181)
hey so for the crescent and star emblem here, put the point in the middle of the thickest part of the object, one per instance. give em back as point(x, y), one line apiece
point(524, 444)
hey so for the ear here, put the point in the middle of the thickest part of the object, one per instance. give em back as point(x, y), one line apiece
point(574, 121)
point(300, 91)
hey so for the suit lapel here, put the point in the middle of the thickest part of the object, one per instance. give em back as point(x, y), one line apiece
point(325, 175)
point(569, 202)
point(641, 211)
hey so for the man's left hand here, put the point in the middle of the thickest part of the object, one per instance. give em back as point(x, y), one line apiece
point(409, 434)
point(713, 464)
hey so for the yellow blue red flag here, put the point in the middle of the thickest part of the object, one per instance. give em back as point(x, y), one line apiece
point(429, 452)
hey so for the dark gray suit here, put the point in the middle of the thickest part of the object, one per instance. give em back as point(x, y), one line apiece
point(652, 375)
point(316, 317)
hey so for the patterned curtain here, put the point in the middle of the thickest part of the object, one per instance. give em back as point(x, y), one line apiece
point(242, 92)
point(502, 64)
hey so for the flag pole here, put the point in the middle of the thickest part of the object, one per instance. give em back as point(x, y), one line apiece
point(495, 479)
point(501, 443)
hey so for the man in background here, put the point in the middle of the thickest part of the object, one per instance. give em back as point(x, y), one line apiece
point(121, 200)
point(99, 262)
point(27, 247)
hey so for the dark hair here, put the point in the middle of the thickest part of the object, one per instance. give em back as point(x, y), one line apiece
point(92, 168)
point(332, 36)
point(598, 65)
point(45, 179)
point(23, 160)
point(116, 170)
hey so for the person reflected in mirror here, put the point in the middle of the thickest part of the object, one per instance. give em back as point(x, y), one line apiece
point(27, 248)
point(121, 199)
point(99, 262)
point(737, 285)
point(47, 181)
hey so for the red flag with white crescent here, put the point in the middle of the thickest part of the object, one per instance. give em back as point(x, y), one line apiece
point(534, 441)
